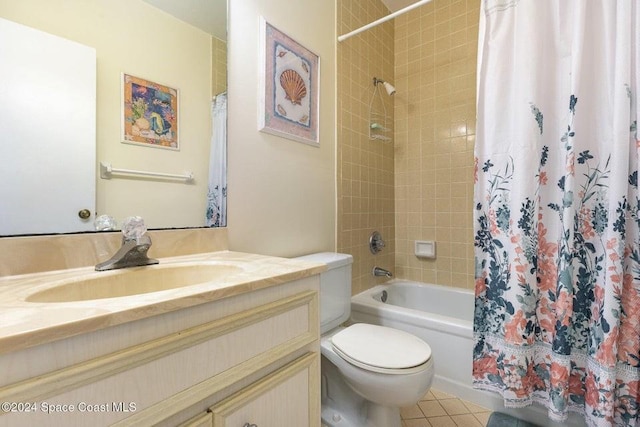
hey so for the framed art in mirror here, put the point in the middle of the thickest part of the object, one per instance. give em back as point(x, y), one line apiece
point(149, 113)
point(289, 87)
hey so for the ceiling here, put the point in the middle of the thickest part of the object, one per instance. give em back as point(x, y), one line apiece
point(208, 15)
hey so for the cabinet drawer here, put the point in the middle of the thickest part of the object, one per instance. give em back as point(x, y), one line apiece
point(287, 397)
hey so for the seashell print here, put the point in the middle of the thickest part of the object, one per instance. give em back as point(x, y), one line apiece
point(281, 54)
point(304, 119)
point(293, 85)
point(304, 67)
point(281, 110)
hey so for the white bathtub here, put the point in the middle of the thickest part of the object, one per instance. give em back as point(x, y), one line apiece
point(443, 317)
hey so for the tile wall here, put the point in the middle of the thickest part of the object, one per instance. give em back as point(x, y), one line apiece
point(218, 66)
point(365, 167)
point(435, 74)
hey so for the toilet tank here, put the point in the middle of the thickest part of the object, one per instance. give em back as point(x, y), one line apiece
point(335, 288)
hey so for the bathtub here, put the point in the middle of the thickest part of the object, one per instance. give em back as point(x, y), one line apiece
point(443, 317)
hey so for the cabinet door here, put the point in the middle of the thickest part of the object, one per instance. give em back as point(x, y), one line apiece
point(288, 397)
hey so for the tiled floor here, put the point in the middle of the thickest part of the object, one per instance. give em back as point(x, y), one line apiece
point(438, 409)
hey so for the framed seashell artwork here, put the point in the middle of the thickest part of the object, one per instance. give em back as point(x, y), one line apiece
point(149, 113)
point(289, 87)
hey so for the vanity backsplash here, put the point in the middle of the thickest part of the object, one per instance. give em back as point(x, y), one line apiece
point(35, 254)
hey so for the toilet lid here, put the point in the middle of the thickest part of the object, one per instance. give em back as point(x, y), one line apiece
point(379, 348)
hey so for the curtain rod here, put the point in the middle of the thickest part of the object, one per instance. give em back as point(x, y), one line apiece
point(383, 19)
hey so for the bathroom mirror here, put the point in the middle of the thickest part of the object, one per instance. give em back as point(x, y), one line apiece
point(180, 44)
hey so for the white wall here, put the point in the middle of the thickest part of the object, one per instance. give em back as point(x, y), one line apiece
point(281, 193)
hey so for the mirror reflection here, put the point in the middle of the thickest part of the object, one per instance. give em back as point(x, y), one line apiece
point(175, 44)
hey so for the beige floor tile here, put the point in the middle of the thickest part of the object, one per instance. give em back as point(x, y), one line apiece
point(454, 406)
point(445, 421)
point(472, 407)
point(466, 420)
point(411, 412)
point(483, 417)
point(428, 396)
point(421, 422)
point(431, 408)
point(442, 395)
point(440, 409)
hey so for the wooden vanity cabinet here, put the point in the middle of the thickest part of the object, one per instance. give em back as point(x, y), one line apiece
point(202, 420)
point(250, 359)
point(283, 398)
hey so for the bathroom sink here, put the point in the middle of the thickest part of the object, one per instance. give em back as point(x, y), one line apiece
point(132, 281)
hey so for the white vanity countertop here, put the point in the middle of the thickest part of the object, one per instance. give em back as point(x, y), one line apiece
point(24, 324)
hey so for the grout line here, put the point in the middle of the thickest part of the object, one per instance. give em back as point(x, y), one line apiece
point(437, 409)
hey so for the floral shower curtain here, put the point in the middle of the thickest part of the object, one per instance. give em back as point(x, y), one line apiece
point(216, 215)
point(557, 207)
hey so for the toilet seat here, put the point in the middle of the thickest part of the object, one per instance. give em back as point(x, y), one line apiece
point(381, 349)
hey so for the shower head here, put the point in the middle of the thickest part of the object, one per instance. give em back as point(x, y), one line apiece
point(387, 86)
point(390, 89)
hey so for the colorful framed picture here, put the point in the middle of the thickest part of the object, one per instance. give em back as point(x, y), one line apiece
point(149, 113)
point(289, 87)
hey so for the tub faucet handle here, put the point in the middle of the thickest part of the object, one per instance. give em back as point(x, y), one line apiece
point(376, 243)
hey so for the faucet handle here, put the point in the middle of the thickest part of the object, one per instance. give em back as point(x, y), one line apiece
point(376, 244)
point(133, 228)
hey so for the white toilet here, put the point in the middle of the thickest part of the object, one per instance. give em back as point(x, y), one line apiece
point(368, 372)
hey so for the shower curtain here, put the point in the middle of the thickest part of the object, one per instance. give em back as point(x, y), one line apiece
point(557, 208)
point(216, 214)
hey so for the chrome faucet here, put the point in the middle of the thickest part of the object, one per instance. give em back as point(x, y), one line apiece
point(135, 244)
point(377, 271)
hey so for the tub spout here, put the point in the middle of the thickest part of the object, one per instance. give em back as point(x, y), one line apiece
point(377, 271)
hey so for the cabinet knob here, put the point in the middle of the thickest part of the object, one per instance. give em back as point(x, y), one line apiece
point(84, 213)
point(250, 425)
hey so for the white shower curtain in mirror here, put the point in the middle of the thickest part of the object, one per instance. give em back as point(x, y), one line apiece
point(216, 215)
point(557, 208)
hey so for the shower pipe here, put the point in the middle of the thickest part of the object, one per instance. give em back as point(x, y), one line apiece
point(383, 19)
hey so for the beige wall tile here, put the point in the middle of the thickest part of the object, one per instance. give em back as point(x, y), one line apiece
point(366, 199)
point(421, 186)
point(438, 96)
